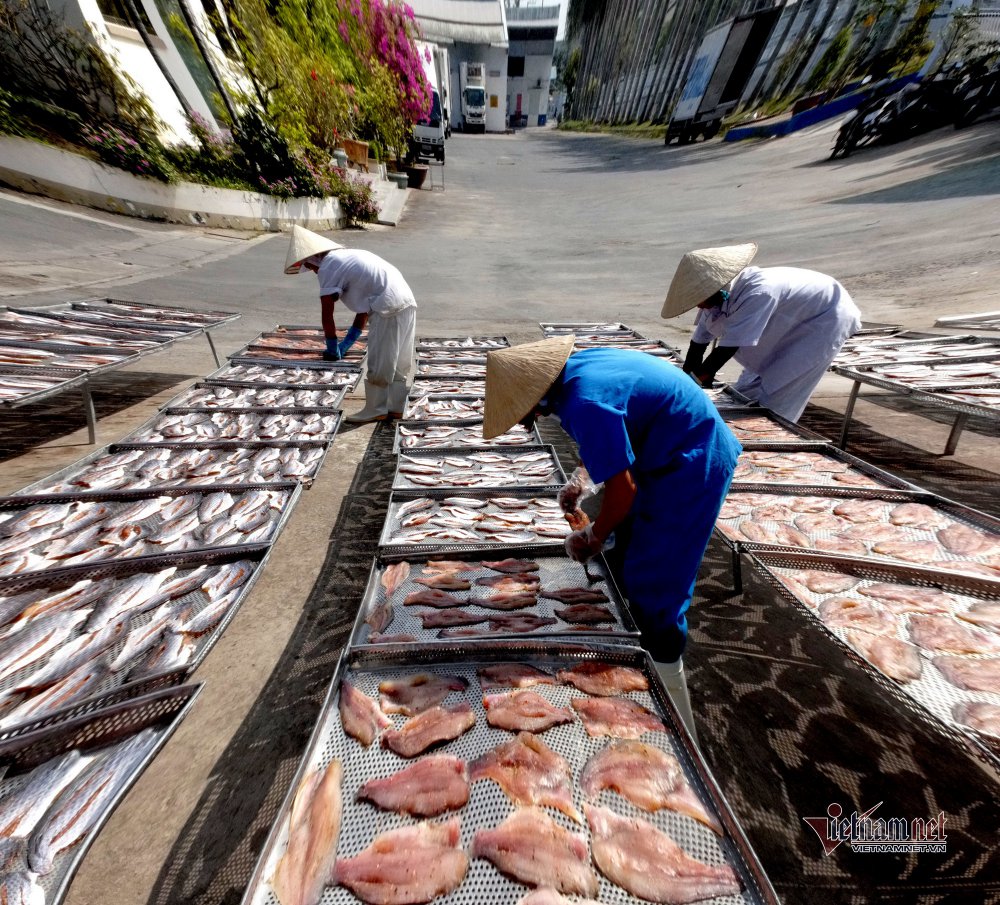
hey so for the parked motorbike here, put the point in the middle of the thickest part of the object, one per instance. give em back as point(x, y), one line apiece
point(977, 94)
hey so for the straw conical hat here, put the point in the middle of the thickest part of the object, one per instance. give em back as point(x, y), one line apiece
point(704, 272)
point(304, 244)
point(517, 379)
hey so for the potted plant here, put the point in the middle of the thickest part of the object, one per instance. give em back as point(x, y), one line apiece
point(416, 173)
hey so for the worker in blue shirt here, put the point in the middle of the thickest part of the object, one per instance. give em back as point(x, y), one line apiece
point(662, 451)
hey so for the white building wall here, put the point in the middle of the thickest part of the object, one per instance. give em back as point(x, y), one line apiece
point(496, 89)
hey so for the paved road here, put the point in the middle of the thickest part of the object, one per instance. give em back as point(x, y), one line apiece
point(532, 226)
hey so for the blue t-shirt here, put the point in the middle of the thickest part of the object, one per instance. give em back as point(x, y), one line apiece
point(627, 409)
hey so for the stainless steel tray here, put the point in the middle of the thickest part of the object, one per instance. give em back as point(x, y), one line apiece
point(202, 317)
point(443, 386)
point(467, 435)
point(792, 434)
point(856, 465)
point(116, 684)
point(66, 377)
point(145, 432)
point(79, 469)
point(404, 483)
point(451, 356)
point(989, 353)
point(874, 328)
point(425, 343)
point(72, 349)
point(944, 399)
point(445, 418)
point(488, 805)
point(931, 693)
point(97, 735)
point(117, 499)
point(67, 314)
point(554, 328)
point(63, 330)
point(397, 500)
point(465, 370)
point(247, 396)
point(554, 571)
point(661, 350)
point(243, 358)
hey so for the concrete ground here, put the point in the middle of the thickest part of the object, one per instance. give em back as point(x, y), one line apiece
point(532, 226)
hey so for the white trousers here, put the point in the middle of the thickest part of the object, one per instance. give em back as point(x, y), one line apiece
point(674, 681)
point(390, 346)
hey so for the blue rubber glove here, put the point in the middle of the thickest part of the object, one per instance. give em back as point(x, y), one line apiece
point(332, 352)
point(350, 338)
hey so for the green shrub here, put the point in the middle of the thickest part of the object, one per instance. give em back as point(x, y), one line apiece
point(121, 150)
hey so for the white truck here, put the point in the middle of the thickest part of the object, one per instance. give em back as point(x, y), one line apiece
point(428, 135)
point(443, 70)
point(473, 85)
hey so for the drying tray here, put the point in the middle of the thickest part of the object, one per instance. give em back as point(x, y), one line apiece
point(554, 328)
point(532, 437)
point(452, 356)
point(388, 547)
point(990, 352)
point(80, 466)
point(940, 398)
point(989, 320)
point(403, 484)
point(884, 478)
point(65, 332)
point(925, 395)
point(797, 437)
point(355, 353)
point(555, 571)
point(952, 510)
point(488, 805)
point(234, 374)
point(425, 386)
point(426, 343)
point(116, 684)
point(874, 328)
point(161, 711)
point(245, 400)
point(155, 311)
point(73, 352)
point(67, 377)
point(76, 319)
point(167, 558)
point(448, 417)
point(440, 369)
point(931, 693)
point(246, 357)
point(136, 437)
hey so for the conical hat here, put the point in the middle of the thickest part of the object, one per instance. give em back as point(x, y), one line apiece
point(304, 244)
point(702, 273)
point(517, 379)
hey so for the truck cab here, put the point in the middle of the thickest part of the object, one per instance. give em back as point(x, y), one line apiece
point(429, 133)
point(473, 79)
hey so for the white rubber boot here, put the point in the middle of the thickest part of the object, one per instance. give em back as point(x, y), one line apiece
point(375, 405)
point(398, 391)
point(672, 676)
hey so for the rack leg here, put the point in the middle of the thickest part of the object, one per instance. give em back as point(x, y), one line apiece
point(211, 345)
point(956, 432)
point(88, 410)
point(848, 414)
point(737, 571)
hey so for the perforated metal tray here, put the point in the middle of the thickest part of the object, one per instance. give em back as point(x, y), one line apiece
point(443, 386)
point(425, 343)
point(793, 435)
point(554, 571)
point(405, 483)
point(931, 692)
point(446, 417)
point(146, 432)
point(488, 806)
point(466, 370)
point(81, 467)
point(115, 685)
point(244, 358)
point(307, 400)
point(398, 499)
point(117, 499)
point(66, 377)
point(203, 318)
point(468, 435)
point(554, 328)
point(989, 352)
point(944, 399)
point(235, 374)
point(818, 479)
point(874, 328)
point(72, 317)
point(94, 734)
point(451, 356)
point(72, 364)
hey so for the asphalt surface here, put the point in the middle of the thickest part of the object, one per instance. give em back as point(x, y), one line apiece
point(533, 226)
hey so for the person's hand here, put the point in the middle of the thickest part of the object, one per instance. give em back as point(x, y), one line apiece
point(350, 338)
point(583, 545)
point(332, 352)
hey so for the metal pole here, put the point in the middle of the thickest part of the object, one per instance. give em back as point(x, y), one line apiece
point(956, 432)
point(211, 345)
point(88, 411)
point(848, 412)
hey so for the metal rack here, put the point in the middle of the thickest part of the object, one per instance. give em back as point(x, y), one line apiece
point(402, 483)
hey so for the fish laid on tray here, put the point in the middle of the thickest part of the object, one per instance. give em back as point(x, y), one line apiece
point(195, 427)
point(451, 369)
point(442, 386)
point(326, 377)
point(62, 643)
point(469, 342)
point(245, 397)
point(940, 646)
point(314, 344)
point(592, 783)
point(872, 353)
point(72, 320)
point(137, 469)
point(649, 347)
point(254, 351)
point(123, 309)
point(52, 809)
point(44, 536)
point(479, 469)
point(464, 520)
point(436, 408)
point(800, 468)
point(439, 436)
point(985, 396)
point(452, 356)
point(128, 345)
point(43, 358)
point(922, 376)
point(17, 386)
point(133, 318)
point(758, 428)
point(904, 532)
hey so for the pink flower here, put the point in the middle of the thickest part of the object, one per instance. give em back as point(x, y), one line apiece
point(344, 32)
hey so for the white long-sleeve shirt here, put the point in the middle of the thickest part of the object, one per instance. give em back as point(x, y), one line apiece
point(366, 283)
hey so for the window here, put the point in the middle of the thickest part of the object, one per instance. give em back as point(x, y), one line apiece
point(515, 67)
point(117, 11)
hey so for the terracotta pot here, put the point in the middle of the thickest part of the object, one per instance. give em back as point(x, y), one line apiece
point(416, 174)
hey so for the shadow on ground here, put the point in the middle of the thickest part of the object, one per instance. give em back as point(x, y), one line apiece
point(214, 857)
point(36, 424)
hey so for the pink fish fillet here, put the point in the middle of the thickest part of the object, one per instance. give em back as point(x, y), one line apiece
point(942, 634)
point(434, 598)
point(973, 675)
point(429, 787)
point(444, 581)
point(584, 614)
point(518, 622)
point(617, 717)
point(984, 718)
point(417, 693)
point(920, 551)
point(902, 598)
point(360, 715)
point(393, 577)
point(549, 896)
point(985, 613)
point(917, 515)
point(820, 582)
point(513, 566)
point(524, 710)
point(965, 541)
point(845, 546)
point(406, 866)
point(530, 773)
point(512, 675)
point(314, 827)
point(895, 658)
point(533, 849)
point(648, 777)
point(603, 679)
point(861, 510)
point(432, 727)
point(450, 618)
point(650, 865)
point(846, 612)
